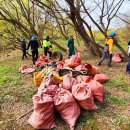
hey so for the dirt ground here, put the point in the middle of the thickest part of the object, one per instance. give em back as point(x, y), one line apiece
point(114, 113)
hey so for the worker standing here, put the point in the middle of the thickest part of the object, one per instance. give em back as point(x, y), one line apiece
point(34, 48)
point(70, 44)
point(108, 49)
point(23, 45)
point(47, 47)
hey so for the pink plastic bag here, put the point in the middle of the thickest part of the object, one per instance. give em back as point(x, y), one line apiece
point(83, 94)
point(83, 78)
point(117, 57)
point(66, 105)
point(44, 89)
point(26, 69)
point(43, 114)
point(51, 80)
point(101, 78)
point(67, 82)
point(81, 68)
point(74, 60)
point(97, 90)
point(42, 59)
point(60, 64)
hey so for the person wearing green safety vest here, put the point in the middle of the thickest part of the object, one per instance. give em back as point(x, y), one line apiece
point(47, 45)
point(70, 44)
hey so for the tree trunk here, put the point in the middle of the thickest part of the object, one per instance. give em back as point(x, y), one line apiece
point(60, 47)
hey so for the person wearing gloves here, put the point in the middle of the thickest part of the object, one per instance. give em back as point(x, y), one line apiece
point(47, 47)
point(70, 44)
point(23, 46)
point(34, 48)
point(108, 49)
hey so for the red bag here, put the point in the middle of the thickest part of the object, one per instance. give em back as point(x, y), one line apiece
point(26, 69)
point(84, 96)
point(83, 78)
point(92, 70)
point(51, 89)
point(75, 60)
point(66, 105)
point(43, 114)
point(117, 57)
point(101, 78)
point(81, 68)
point(67, 82)
point(60, 64)
point(51, 80)
point(42, 59)
point(97, 90)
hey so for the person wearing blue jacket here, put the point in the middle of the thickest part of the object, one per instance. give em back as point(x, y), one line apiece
point(34, 44)
point(70, 44)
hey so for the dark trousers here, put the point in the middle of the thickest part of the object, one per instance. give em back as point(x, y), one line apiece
point(71, 52)
point(46, 50)
point(34, 55)
point(104, 56)
point(24, 54)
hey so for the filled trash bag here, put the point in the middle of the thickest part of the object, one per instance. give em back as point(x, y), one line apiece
point(101, 78)
point(97, 90)
point(117, 57)
point(43, 114)
point(51, 80)
point(26, 69)
point(66, 105)
point(83, 78)
point(67, 82)
point(81, 68)
point(91, 69)
point(60, 64)
point(44, 89)
point(83, 95)
point(42, 59)
point(74, 60)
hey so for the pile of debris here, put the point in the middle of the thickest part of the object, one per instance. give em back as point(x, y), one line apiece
point(65, 87)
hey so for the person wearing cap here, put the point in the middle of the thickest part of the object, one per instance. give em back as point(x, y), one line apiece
point(23, 46)
point(108, 49)
point(34, 44)
point(70, 44)
point(47, 45)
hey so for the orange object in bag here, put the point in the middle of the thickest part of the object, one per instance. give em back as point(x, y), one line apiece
point(97, 90)
point(83, 94)
point(66, 105)
point(37, 81)
point(43, 114)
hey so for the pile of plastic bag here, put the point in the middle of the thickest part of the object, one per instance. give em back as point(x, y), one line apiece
point(26, 69)
point(66, 94)
point(42, 59)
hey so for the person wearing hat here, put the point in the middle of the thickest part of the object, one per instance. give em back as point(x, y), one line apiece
point(47, 45)
point(23, 45)
point(108, 49)
point(34, 44)
point(70, 44)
